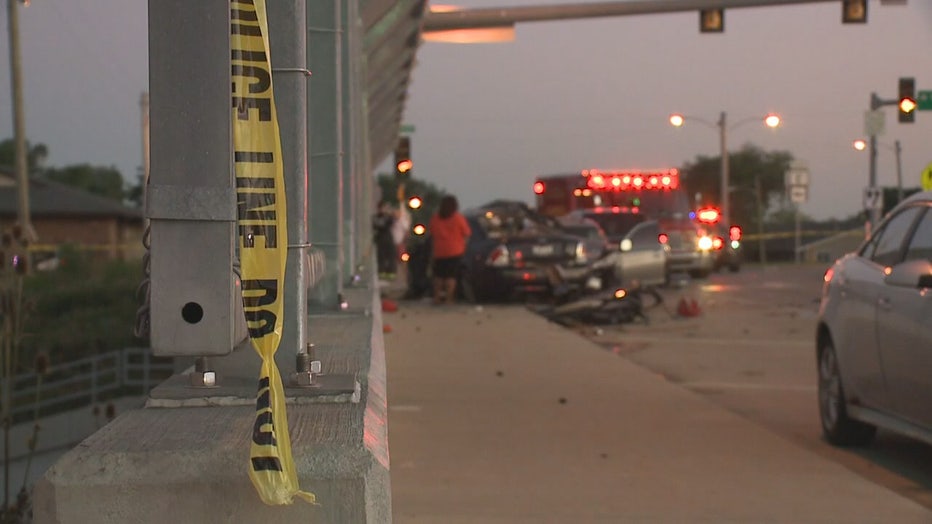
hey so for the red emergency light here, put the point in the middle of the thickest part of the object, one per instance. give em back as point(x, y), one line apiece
point(624, 181)
point(709, 215)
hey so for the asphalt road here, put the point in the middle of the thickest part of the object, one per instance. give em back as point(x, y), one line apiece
point(751, 351)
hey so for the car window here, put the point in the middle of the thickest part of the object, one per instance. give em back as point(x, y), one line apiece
point(920, 246)
point(889, 247)
point(644, 236)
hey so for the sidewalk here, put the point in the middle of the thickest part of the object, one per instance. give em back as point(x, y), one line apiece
point(498, 416)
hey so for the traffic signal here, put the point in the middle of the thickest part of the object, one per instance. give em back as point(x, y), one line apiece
point(711, 21)
point(854, 11)
point(907, 99)
point(403, 162)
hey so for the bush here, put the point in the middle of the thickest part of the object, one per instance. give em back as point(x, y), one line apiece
point(82, 308)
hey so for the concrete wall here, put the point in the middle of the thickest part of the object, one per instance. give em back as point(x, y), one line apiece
point(183, 458)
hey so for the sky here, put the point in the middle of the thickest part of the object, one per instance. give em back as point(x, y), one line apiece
point(564, 96)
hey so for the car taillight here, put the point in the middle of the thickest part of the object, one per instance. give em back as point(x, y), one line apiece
point(498, 257)
point(827, 280)
point(718, 243)
point(663, 238)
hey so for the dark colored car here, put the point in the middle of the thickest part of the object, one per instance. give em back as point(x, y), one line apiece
point(512, 252)
point(726, 246)
point(874, 336)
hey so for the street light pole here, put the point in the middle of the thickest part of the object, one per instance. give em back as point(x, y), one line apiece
point(19, 125)
point(723, 138)
point(899, 172)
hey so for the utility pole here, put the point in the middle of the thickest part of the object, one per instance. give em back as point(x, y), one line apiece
point(723, 133)
point(19, 124)
point(897, 148)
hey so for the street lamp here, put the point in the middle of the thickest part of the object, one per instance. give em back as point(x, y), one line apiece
point(861, 145)
point(771, 120)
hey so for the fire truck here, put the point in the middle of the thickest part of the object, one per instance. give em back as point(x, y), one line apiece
point(654, 194)
point(618, 200)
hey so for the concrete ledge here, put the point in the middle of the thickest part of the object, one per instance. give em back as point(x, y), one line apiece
point(189, 464)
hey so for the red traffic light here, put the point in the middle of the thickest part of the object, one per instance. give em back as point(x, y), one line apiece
point(404, 166)
point(734, 233)
point(907, 100)
point(538, 188)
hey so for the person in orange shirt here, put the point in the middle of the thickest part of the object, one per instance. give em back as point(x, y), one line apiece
point(449, 232)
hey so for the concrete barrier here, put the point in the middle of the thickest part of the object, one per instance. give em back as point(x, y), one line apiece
point(183, 458)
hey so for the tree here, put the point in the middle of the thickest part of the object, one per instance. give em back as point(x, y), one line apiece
point(35, 155)
point(103, 181)
point(746, 167)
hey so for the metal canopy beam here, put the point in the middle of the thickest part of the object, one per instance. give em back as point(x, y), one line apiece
point(508, 16)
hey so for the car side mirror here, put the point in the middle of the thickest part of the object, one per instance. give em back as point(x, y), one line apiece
point(626, 245)
point(912, 274)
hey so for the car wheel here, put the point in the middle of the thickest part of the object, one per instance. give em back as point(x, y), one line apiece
point(837, 427)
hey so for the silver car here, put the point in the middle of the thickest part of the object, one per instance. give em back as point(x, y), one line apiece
point(874, 336)
point(642, 258)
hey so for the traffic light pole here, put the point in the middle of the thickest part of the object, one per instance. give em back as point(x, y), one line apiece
point(875, 104)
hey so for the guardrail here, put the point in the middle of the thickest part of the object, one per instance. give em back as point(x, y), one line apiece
point(84, 382)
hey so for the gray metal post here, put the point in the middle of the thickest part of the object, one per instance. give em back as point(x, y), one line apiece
point(351, 174)
point(874, 212)
point(325, 143)
point(872, 181)
point(897, 148)
point(288, 43)
point(723, 133)
point(19, 124)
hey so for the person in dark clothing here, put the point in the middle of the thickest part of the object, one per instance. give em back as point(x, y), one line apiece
point(385, 251)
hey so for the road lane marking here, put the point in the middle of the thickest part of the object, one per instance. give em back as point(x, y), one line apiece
point(727, 341)
point(748, 386)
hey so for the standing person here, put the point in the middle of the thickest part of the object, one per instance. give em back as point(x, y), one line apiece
point(449, 232)
point(385, 253)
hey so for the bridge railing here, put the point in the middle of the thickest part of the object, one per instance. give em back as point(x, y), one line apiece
point(130, 371)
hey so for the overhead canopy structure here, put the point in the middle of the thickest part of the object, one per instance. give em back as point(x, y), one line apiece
point(392, 33)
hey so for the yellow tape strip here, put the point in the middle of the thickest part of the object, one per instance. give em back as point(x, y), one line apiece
point(263, 242)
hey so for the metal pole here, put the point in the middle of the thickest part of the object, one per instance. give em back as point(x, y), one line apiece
point(760, 221)
point(288, 42)
point(874, 212)
point(723, 132)
point(19, 123)
point(797, 234)
point(899, 172)
point(872, 181)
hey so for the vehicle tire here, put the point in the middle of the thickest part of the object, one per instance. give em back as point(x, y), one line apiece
point(837, 427)
point(734, 268)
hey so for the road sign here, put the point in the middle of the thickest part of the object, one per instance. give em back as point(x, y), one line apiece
point(797, 175)
point(926, 178)
point(799, 194)
point(924, 101)
point(874, 122)
point(406, 129)
point(872, 199)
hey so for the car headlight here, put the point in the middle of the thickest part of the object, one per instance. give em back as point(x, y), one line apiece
point(581, 256)
point(705, 243)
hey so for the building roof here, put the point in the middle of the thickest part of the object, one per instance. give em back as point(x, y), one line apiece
point(51, 199)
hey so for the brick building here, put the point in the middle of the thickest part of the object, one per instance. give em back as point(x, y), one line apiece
point(64, 215)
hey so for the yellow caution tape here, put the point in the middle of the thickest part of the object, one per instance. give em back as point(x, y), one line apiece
point(263, 242)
